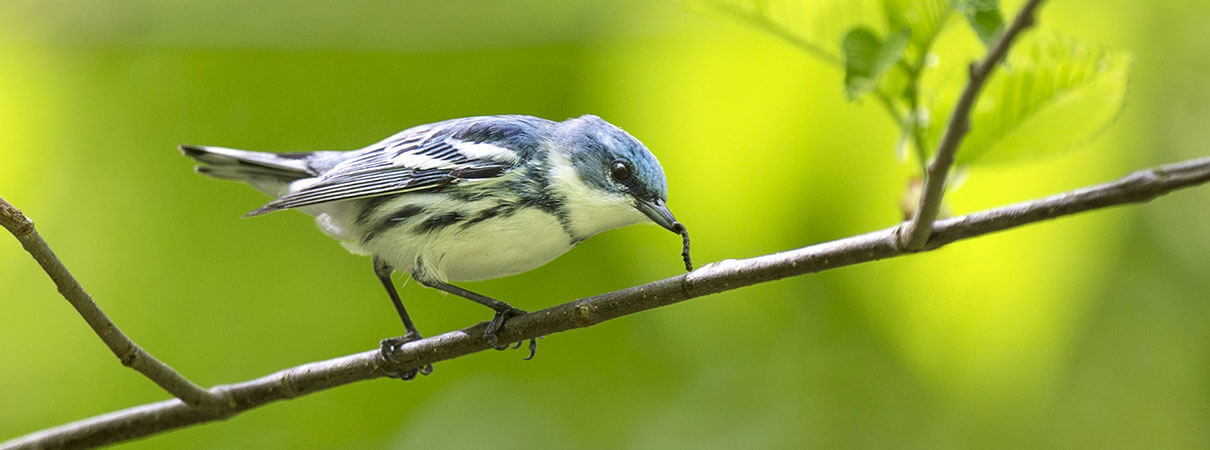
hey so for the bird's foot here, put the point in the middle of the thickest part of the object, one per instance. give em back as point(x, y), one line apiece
point(390, 346)
point(498, 321)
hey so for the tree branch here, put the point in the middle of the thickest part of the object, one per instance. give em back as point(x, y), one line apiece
point(129, 353)
point(915, 235)
point(145, 420)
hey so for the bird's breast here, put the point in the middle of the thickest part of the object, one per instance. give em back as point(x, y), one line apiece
point(498, 247)
point(456, 241)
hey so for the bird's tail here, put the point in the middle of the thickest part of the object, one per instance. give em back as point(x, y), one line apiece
point(241, 165)
point(268, 172)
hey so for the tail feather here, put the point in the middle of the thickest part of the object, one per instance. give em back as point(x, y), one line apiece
point(242, 165)
point(270, 173)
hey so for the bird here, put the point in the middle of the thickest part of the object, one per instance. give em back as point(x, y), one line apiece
point(465, 199)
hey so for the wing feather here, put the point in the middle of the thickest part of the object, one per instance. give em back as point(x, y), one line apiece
point(422, 158)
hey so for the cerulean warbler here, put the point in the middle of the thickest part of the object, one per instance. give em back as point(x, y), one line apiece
point(463, 199)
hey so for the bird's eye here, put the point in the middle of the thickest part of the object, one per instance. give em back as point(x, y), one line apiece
point(619, 171)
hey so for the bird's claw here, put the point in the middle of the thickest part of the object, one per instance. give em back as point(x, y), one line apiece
point(494, 325)
point(533, 347)
point(387, 352)
point(498, 321)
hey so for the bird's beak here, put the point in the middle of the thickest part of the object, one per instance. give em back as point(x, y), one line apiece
point(659, 213)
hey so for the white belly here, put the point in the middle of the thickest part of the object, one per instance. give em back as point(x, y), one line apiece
point(493, 248)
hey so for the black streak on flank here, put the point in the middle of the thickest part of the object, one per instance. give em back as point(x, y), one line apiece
point(403, 214)
point(371, 207)
point(495, 211)
point(439, 222)
point(391, 221)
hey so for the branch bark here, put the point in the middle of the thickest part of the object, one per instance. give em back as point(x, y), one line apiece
point(140, 421)
point(129, 353)
point(916, 233)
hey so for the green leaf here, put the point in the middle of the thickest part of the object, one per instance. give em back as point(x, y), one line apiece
point(1053, 95)
point(984, 17)
point(924, 18)
point(866, 58)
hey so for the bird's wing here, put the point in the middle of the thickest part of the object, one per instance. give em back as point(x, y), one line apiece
point(420, 158)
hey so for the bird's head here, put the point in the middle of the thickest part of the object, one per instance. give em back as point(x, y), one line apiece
point(618, 170)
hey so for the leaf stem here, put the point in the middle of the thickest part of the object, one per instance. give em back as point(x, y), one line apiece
point(915, 233)
point(761, 21)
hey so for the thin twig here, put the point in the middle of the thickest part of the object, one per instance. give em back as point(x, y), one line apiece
point(149, 419)
point(129, 353)
point(759, 20)
point(916, 232)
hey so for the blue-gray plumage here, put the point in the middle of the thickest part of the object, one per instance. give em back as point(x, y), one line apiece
point(464, 199)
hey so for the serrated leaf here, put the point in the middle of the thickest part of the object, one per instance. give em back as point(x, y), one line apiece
point(984, 18)
point(866, 58)
point(1053, 95)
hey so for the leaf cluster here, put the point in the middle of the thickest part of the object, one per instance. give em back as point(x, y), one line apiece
point(1052, 94)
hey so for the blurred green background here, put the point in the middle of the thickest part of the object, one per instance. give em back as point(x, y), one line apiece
point(1090, 331)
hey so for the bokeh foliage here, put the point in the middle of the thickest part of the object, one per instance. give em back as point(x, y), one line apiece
point(1085, 332)
point(1056, 94)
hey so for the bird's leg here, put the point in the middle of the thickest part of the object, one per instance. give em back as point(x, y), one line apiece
point(390, 345)
point(503, 311)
